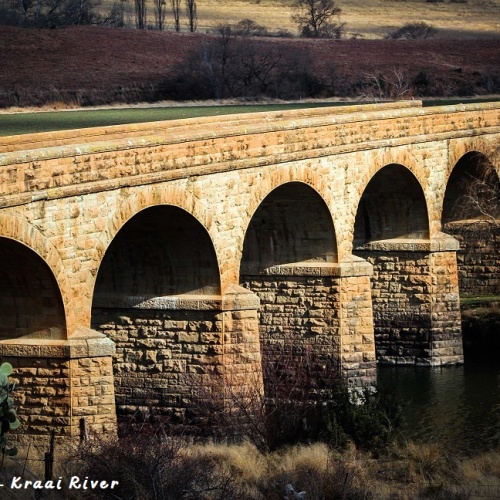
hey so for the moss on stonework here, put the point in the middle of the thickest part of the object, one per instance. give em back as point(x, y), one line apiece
point(479, 302)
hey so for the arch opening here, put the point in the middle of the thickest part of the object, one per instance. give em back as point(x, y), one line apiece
point(392, 207)
point(291, 225)
point(391, 232)
point(471, 213)
point(162, 251)
point(157, 296)
point(472, 193)
point(30, 300)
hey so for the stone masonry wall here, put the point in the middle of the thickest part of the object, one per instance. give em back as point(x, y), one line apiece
point(59, 384)
point(401, 294)
point(447, 345)
point(358, 360)
point(478, 259)
point(299, 330)
point(161, 355)
point(43, 397)
point(169, 359)
point(416, 307)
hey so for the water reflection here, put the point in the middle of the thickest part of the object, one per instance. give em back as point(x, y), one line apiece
point(458, 406)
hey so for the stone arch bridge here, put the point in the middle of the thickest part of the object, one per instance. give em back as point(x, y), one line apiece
point(138, 260)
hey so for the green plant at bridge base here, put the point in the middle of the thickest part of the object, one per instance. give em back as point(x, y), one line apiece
point(8, 416)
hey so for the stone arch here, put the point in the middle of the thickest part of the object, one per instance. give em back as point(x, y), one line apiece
point(289, 260)
point(485, 146)
point(466, 182)
point(39, 287)
point(151, 196)
point(292, 224)
point(157, 296)
point(302, 175)
point(161, 251)
point(471, 213)
point(391, 232)
point(392, 206)
point(374, 162)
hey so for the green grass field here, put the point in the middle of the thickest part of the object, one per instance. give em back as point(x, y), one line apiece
point(25, 123)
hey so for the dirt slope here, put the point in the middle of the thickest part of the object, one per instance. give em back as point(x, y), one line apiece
point(88, 64)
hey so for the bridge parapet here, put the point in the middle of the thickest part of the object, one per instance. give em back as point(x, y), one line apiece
point(189, 149)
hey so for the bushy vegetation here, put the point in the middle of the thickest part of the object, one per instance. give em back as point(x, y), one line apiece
point(413, 31)
point(368, 418)
point(54, 13)
point(232, 64)
point(157, 468)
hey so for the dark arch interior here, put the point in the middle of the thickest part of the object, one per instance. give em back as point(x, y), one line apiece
point(291, 225)
point(30, 300)
point(473, 190)
point(392, 206)
point(161, 251)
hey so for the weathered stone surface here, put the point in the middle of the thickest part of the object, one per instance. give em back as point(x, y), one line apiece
point(57, 388)
point(65, 197)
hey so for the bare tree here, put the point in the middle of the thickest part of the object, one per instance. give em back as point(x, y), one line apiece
point(176, 11)
point(238, 67)
point(478, 205)
point(192, 13)
point(160, 13)
point(140, 14)
point(318, 19)
point(390, 85)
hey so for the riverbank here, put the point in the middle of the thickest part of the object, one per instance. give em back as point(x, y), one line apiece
point(161, 468)
point(481, 326)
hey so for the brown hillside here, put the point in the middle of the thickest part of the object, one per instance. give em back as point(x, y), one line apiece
point(92, 65)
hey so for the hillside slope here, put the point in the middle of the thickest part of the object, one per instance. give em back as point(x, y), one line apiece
point(91, 65)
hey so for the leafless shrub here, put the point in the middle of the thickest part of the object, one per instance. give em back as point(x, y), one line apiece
point(289, 410)
point(391, 85)
point(413, 31)
point(248, 27)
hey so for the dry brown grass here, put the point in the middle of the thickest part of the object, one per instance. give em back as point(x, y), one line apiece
point(241, 472)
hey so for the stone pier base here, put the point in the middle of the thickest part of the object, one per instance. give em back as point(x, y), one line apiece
point(65, 386)
point(316, 324)
point(356, 333)
point(416, 304)
point(173, 352)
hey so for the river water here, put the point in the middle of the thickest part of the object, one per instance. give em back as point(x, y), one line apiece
point(457, 406)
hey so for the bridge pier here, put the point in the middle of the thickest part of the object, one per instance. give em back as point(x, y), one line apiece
point(315, 325)
point(174, 354)
point(60, 384)
point(416, 304)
